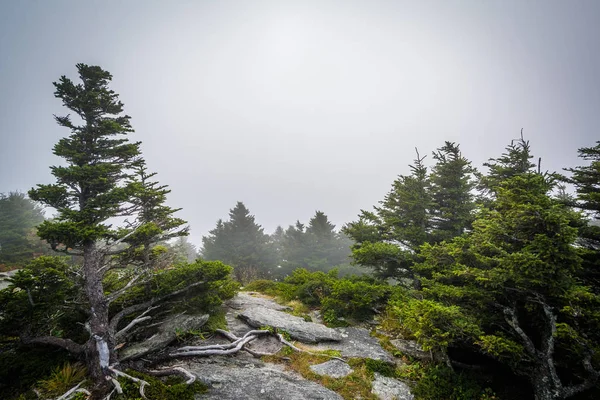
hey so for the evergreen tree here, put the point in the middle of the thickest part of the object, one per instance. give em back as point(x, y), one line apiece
point(452, 184)
point(316, 247)
point(421, 208)
point(515, 161)
point(511, 287)
point(242, 243)
point(586, 180)
point(18, 218)
point(97, 184)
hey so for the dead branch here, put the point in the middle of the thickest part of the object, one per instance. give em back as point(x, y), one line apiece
point(118, 293)
point(67, 344)
point(140, 318)
point(114, 322)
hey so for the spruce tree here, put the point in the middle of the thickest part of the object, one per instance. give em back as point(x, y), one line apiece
point(96, 184)
point(452, 182)
point(18, 218)
point(242, 243)
point(586, 180)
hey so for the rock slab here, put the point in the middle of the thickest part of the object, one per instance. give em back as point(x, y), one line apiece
point(333, 369)
point(413, 349)
point(253, 381)
point(358, 342)
point(390, 389)
point(296, 327)
point(167, 333)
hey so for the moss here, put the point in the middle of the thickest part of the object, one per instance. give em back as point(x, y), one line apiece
point(356, 385)
point(171, 388)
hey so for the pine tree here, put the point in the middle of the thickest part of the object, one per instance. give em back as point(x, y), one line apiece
point(242, 243)
point(96, 184)
point(512, 285)
point(18, 218)
point(586, 180)
point(452, 183)
point(421, 208)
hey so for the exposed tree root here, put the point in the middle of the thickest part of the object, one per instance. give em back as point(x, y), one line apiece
point(73, 391)
point(175, 370)
point(237, 344)
point(118, 387)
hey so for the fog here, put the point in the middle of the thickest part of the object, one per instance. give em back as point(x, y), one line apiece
point(293, 107)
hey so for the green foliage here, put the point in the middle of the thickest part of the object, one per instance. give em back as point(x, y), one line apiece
point(380, 367)
point(41, 300)
point(434, 325)
point(421, 208)
point(172, 388)
point(62, 379)
point(241, 243)
point(217, 286)
point(339, 298)
point(18, 218)
point(89, 188)
point(261, 285)
point(440, 382)
point(355, 299)
point(315, 247)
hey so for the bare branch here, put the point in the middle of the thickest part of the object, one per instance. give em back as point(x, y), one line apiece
point(114, 322)
point(67, 344)
point(511, 318)
point(118, 293)
point(140, 318)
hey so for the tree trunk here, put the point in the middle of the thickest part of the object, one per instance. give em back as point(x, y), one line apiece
point(100, 345)
point(544, 385)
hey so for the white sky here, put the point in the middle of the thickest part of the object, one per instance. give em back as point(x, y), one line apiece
point(294, 106)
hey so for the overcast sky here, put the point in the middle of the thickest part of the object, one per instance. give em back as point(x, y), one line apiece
point(297, 106)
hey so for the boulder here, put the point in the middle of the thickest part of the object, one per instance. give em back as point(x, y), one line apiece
point(358, 342)
point(333, 369)
point(414, 349)
point(390, 389)
point(236, 379)
point(167, 333)
point(296, 327)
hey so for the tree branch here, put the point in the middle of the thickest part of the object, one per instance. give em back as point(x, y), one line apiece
point(118, 293)
point(140, 318)
point(511, 318)
point(67, 344)
point(114, 322)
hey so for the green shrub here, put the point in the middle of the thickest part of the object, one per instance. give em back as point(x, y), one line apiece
point(356, 300)
point(440, 382)
point(261, 285)
point(62, 379)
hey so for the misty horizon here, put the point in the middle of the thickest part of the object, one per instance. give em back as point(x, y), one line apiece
point(297, 107)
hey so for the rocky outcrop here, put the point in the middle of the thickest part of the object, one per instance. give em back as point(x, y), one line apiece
point(167, 333)
point(296, 327)
point(245, 379)
point(245, 300)
point(358, 342)
point(333, 369)
point(390, 389)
